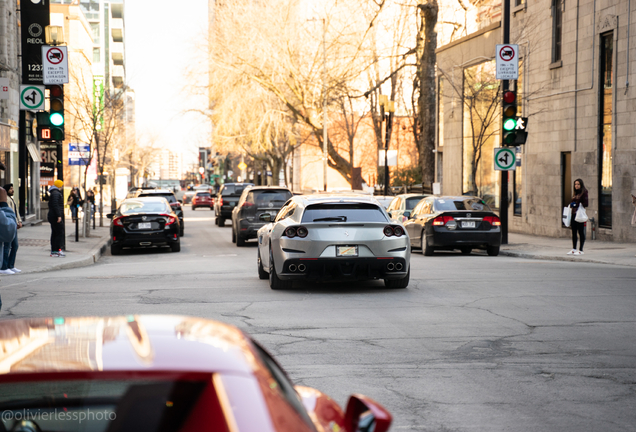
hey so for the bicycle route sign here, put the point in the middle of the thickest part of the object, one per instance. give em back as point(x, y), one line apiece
point(505, 159)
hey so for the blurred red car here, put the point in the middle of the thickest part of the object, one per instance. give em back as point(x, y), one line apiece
point(202, 199)
point(157, 373)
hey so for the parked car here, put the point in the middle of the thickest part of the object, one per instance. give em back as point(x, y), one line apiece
point(403, 204)
point(202, 199)
point(333, 237)
point(132, 192)
point(254, 202)
point(172, 200)
point(454, 222)
point(158, 373)
point(226, 200)
point(144, 222)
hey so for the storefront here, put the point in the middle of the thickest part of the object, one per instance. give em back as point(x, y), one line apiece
point(29, 169)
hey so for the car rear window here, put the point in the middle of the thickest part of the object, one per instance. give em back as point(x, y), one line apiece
point(412, 202)
point(461, 204)
point(234, 189)
point(203, 194)
point(141, 206)
point(101, 405)
point(349, 212)
point(170, 197)
point(275, 197)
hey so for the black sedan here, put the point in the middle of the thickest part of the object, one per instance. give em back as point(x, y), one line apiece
point(253, 203)
point(448, 222)
point(172, 200)
point(144, 222)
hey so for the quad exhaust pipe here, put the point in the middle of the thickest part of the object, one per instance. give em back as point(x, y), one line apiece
point(300, 267)
point(397, 266)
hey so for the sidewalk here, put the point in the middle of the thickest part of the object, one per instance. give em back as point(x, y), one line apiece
point(548, 248)
point(35, 248)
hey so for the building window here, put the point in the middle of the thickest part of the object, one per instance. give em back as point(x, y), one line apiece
point(95, 31)
point(481, 106)
point(557, 29)
point(96, 55)
point(605, 130)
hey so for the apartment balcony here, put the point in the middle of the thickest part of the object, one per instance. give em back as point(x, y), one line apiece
point(117, 34)
point(118, 59)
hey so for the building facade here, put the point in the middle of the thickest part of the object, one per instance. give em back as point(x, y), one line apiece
point(574, 85)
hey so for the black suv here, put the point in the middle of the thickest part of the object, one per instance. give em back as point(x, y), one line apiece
point(169, 195)
point(254, 202)
point(226, 200)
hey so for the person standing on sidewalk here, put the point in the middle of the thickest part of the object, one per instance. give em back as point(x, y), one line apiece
point(11, 248)
point(579, 199)
point(56, 218)
point(8, 224)
point(74, 201)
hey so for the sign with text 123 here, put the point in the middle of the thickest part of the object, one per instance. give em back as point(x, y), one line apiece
point(79, 154)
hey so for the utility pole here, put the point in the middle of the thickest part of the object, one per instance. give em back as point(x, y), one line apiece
point(505, 85)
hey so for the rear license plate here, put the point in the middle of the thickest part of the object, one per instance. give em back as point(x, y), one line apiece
point(470, 224)
point(144, 225)
point(347, 251)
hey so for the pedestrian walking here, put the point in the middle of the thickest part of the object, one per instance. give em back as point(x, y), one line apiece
point(90, 197)
point(578, 228)
point(11, 248)
point(74, 201)
point(8, 224)
point(55, 218)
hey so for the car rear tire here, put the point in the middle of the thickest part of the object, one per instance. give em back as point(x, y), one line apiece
point(221, 222)
point(466, 250)
point(492, 250)
point(233, 236)
point(115, 249)
point(176, 247)
point(216, 221)
point(274, 282)
point(240, 241)
point(398, 283)
point(262, 274)
point(426, 249)
point(193, 208)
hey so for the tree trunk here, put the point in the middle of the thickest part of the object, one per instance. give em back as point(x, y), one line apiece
point(426, 44)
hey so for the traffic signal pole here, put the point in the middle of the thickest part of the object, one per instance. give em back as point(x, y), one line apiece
point(505, 85)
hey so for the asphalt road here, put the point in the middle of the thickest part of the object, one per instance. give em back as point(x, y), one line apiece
point(475, 343)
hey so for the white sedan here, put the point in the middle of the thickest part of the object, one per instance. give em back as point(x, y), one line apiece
point(333, 238)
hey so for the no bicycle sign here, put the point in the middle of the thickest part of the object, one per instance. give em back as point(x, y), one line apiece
point(507, 59)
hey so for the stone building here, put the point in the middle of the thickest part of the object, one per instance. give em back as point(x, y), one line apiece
point(574, 81)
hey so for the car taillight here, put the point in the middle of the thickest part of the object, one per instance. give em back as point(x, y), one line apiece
point(390, 230)
point(247, 204)
point(118, 222)
point(442, 220)
point(492, 220)
point(169, 219)
point(220, 201)
point(299, 231)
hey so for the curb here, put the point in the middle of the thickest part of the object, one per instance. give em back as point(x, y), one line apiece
point(92, 257)
point(558, 258)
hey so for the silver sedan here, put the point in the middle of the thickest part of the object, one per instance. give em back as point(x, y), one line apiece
point(333, 238)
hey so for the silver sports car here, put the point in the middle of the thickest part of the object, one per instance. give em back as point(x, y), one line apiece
point(333, 237)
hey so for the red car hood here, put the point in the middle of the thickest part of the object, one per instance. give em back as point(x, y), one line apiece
point(126, 343)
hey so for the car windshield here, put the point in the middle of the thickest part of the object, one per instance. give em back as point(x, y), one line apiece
point(474, 204)
point(412, 202)
point(349, 212)
point(276, 197)
point(100, 405)
point(141, 206)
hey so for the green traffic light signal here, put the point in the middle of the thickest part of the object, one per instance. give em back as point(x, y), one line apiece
point(56, 119)
point(509, 124)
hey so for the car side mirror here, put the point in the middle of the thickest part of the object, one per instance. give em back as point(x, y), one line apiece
point(265, 217)
point(109, 215)
point(363, 414)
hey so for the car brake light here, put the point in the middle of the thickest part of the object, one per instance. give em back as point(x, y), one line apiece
point(220, 201)
point(388, 230)
point(442, 220)
point(290, 232)
point(398, 231)
point(302, 232)
point(492, 220)
point(170, 220)
point(118, 222)
point(247, 204)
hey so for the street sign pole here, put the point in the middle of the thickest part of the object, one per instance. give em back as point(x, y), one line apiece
point(503, 198)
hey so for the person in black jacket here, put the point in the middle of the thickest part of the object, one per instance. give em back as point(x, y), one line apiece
point(56, 218)
point(579, 199)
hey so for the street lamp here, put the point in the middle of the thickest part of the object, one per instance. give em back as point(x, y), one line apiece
point(386, 106)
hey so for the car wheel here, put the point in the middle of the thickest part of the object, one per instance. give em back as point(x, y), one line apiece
point(216, 221)
point(221, 222)
point(466, 250)
point(274, 282)
point(262, 274)
point(492, 250)
point(181, 232)
point(424, 246)
point(194, 208)
point(233, 235)
point(240, 241)
point(115, 249)
point(176, 247)
point(211, 208)
point(398, 283)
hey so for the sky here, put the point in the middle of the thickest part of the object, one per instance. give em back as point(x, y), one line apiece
point(163, 38)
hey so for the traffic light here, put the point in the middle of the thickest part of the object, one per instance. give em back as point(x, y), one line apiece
point(509, 124)
point(56, 111)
